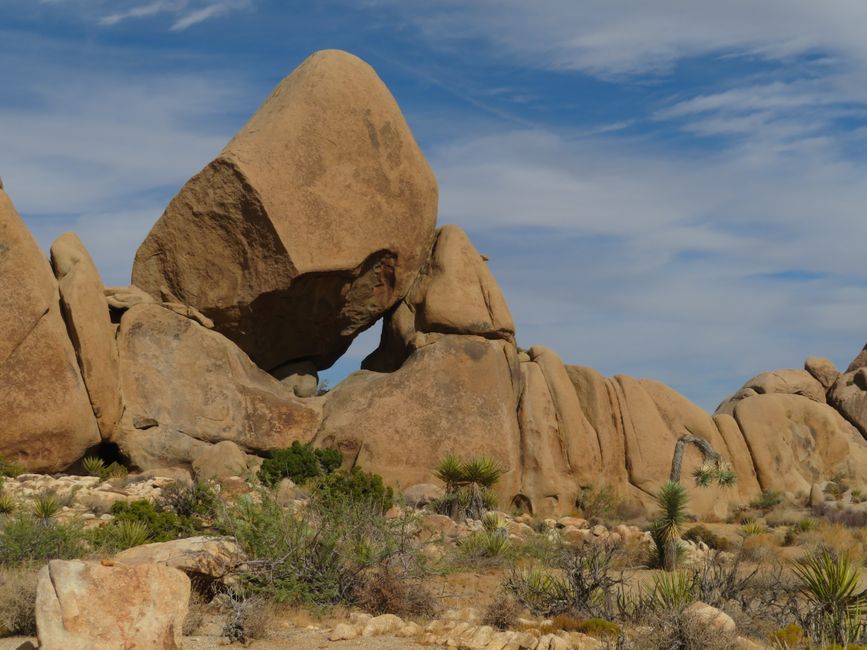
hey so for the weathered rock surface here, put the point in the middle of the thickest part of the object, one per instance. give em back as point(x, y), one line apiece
point(456, 394)
point(309, 225)
point(223, 460)
point(790, 381)
point(85, 311)
point(214, 557)
point(848, 394)
point(795, 441)
point(48, 421)
point(186, 386)
point(85, 605)
point(455, 293)
point(823, 370)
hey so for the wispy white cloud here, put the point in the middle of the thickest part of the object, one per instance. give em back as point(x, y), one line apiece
point(631, 258)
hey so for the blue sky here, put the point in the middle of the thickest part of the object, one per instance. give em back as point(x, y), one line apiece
point(672, 189)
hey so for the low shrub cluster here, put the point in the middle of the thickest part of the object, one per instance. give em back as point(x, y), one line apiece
point(299, 463)
point(324, 555)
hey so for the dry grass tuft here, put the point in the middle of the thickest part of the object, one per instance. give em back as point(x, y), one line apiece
point(18, 601)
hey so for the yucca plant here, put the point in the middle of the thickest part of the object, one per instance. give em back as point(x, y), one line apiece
point(468, 486)
point(492, 522)
point(485, 544)
point(7, 505)
point(668, 526)
point(115, 470)
point(752, 528)
point(838, 611)
point(127, 534)
point(672, 591)
point(93, 465)
point(45, 508)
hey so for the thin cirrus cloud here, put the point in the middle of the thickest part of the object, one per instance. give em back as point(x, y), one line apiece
point(186, 13)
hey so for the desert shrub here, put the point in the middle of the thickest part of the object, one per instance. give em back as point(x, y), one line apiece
point(198, 500)
point(298, 463)
point(24, 539)
point(18, 601)
point(316, 557)
point(760, 548)
point(599, 628)
point(598, 503)
point(503, 611)
point(486, 544)
point(354, 486)
point(390, 590)
point(676, 630)
point(163, 525)
point(468, 486)
point(788, 636)
point(767, 499)
point(9, 467)
point(249, 617)
point(7, 505)
point(583, 584)
point(700, 533)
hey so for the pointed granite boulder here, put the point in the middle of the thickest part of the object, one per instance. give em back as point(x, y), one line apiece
point(47, 418)
point(309, 225)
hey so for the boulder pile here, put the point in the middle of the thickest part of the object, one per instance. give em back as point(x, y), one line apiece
point(315, 222)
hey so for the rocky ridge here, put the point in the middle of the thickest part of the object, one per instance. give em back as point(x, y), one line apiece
point(317, 220)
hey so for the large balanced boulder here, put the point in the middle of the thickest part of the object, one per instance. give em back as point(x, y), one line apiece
point(186, 386)
point(48, 422)
point(82, 296)
point(309, 225)
point(87, 605)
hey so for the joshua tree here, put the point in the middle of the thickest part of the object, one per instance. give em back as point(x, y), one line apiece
point(672, 498)
point(468, 486)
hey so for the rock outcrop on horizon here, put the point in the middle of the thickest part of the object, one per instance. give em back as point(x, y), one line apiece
point(48, 422)
point(317, 220)
point(309, 225)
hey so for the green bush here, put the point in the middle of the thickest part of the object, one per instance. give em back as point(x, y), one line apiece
point(162, 525)
point(10, 467)
point(354, 486)
point(315, 557)
point(198, 500)
point(767, 500)
point(24, 539)
point(299, 463)
point(598, 503)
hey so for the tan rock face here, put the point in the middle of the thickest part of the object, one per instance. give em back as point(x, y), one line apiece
point(185, 386)
point(455, 293)
point(48, 422)
point(849, 396)
point(456, 394)
point(85, 605)
point(309, 225)
point(795, 441)
point(86, 313)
